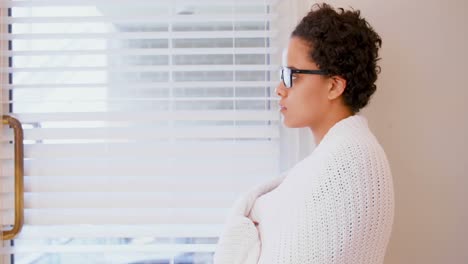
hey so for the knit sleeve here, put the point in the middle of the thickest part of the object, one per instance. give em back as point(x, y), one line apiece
point(240, 243)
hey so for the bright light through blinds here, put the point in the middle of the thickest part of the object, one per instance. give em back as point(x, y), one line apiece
point(143, 121)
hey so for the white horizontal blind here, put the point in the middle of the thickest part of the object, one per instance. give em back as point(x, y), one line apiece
point(143, 121)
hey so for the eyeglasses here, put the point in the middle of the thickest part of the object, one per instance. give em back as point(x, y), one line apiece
point(287, 74)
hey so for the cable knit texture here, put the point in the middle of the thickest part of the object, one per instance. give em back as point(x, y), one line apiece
point(335, 206)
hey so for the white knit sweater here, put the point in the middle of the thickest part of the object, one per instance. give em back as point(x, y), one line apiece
point(335, 206)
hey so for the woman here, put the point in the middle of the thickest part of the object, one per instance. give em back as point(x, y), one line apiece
point(337, 204)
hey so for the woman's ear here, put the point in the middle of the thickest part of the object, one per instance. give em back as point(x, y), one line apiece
point(336, 87)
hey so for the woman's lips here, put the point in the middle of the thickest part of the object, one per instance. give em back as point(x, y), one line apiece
point(282, 108)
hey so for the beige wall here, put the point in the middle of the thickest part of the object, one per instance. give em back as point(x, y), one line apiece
point(419, 114)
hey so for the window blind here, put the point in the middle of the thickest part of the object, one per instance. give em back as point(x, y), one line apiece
point(143, 121)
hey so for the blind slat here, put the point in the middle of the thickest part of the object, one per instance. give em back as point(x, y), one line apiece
point(220, 149)
point(111, 231)
point(145, 35)
point(155, 99)
point(146, 3)
point(227, 182)
point(144, 166)
point(58, 200)
point(179, 68)
point(147, 19)
point(120, 52)
point(119, 216)
point(150, 116)
point(206, 132)
point(140, 85)
point(108, 249)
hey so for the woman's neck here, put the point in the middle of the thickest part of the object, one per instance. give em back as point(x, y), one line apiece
point(319, 131)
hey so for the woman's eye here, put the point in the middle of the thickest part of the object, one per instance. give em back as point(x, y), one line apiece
point(294, 76)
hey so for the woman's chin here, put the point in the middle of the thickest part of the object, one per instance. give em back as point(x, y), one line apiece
point(287, 123)
point(291, 124)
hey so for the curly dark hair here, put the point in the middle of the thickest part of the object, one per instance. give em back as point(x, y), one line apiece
point(344, 44)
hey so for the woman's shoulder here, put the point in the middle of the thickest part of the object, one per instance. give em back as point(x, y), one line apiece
point(362, 147)
point(356, 150)
point(351, 136)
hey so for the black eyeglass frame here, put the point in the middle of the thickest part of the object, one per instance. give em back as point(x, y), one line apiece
point(288, 81)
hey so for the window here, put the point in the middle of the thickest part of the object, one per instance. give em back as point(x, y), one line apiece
point(143, 121)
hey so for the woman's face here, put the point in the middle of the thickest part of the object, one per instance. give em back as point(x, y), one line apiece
point(306, 102)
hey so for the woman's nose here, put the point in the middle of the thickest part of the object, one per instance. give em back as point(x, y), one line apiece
point(280, 90)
